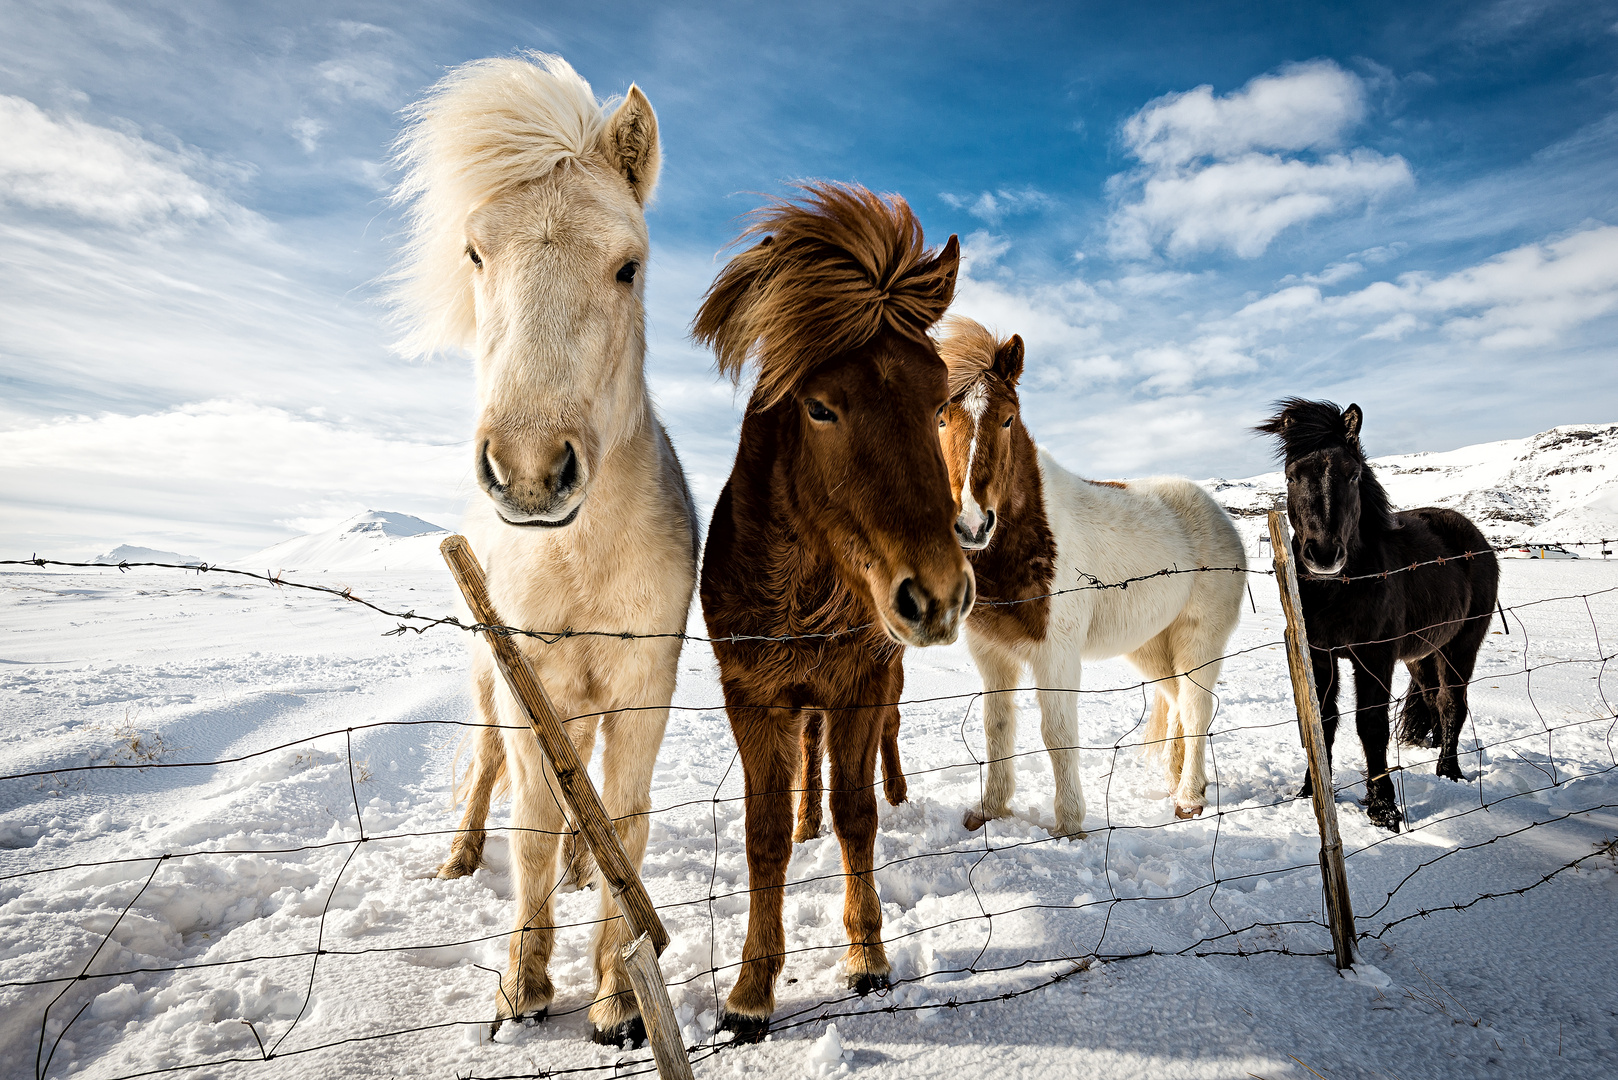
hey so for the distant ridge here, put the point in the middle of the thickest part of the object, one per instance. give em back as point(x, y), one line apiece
point(132, 553)
point(1560, 485)
point(374, 540)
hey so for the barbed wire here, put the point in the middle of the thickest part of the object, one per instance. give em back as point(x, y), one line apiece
point(851, 1004)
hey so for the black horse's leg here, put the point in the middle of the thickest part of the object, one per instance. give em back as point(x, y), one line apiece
point(1419, 722)
point(1456, 661)
point(1373, 681)
point(1325, 665)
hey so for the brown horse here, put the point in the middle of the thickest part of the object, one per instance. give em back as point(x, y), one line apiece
point(835, 531)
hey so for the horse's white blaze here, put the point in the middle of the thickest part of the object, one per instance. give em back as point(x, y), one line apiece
point(975, 403)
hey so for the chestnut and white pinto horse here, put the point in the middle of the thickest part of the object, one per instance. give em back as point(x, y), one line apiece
point(528, 244)
point(1031, 529)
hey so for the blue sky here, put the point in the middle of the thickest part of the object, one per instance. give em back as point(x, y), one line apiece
point(1186, 210)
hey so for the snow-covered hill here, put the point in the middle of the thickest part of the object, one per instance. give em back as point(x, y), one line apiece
point(374, 540)
point(134, 553)
point(1558, 486)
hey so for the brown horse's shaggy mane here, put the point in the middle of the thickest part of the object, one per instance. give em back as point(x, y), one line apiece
point(831, 271)
point(968, 348)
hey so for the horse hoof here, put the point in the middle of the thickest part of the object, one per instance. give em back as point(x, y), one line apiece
point(896, 791)
point(1307, 791)
point(1186, 812)
point(632, 1030)
point(457, 868)
point(527, 1019)
point(1384, 815)
point(747, 1029)
point(973, 821)
point(805, 833)
point(867, 984)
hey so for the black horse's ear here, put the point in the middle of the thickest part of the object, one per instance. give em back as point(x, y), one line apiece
point(1352, 419)
point(1008, 360)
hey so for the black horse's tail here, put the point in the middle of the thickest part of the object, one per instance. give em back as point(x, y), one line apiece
point(1503, 620)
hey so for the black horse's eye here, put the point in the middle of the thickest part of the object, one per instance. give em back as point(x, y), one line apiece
point(1009, 419)
point(471, 253)
point(819, 412)
point(626, 272)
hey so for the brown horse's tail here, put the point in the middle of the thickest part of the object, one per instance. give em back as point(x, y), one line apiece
point(1156, 744)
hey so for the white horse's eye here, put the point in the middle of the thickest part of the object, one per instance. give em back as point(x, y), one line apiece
point(471, 253)
point(626, 272)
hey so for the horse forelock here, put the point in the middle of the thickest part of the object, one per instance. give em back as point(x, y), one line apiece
point(1308, 427)
point(831, 271)
point(483, 129)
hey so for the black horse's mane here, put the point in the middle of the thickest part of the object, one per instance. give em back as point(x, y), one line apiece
point(1305, 427)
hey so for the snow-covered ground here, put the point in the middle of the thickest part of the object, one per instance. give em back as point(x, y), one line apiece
point(159, 668)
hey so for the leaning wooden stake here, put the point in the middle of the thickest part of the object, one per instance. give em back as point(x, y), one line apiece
point(662, 1030)
point(584, 804)
point(1334, 875)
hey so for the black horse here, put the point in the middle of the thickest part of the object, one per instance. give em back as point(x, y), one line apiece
point(1434, 618)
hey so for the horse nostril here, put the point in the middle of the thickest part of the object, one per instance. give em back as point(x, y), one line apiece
point(487, 476)
point(905, 601)
point(988, 522)
point(569, 474)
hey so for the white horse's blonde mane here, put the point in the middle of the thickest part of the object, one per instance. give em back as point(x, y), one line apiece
point(482, 129)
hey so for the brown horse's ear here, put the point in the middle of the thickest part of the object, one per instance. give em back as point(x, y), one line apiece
point(1008, 360)
point(630, 142)
point(1352, 419)
point(948, 264)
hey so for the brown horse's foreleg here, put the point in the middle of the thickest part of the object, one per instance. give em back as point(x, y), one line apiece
point(768, 741)
point(488, 766)
point(894, 787)
point(852, 739)
point(812, 794)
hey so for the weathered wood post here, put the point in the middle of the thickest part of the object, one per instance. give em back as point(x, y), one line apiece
point(1334, 875)
point(584, 806)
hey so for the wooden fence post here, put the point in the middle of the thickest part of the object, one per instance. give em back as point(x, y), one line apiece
point(584, 803)
point(1333, 874)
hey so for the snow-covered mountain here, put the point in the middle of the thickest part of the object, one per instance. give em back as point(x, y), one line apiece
point(134, 553)
point(1558, 486)
point(374, 540)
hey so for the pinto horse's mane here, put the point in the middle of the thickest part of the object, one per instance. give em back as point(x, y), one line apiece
point(483, 129)
point(830, 271)
point(1305, 427)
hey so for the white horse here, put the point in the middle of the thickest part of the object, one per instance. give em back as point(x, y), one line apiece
point(528, 246)
point(1031, 528)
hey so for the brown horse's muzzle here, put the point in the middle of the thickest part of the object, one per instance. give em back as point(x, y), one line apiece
point(929, 608)
point(538, 483)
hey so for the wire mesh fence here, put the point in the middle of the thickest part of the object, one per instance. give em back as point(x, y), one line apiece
point(1208, 890)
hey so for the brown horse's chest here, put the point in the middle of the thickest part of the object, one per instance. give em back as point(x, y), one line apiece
point(1014, 576)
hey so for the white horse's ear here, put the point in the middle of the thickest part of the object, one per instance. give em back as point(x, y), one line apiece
point(1008, 360)
point(630, 142)
point(1352, 419)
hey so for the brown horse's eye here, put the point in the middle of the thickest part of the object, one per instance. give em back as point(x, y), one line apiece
point(471, 253)
point(1009, 419)
point(819, 412)
point(626, 272)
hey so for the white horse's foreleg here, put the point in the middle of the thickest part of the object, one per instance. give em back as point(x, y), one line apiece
point(630, 744)
point(578, 865)
point(1001, 672)
point(536, 819)
point(488, 766)
point(1058, 677)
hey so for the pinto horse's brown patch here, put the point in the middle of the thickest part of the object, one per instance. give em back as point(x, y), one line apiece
point(834, 532)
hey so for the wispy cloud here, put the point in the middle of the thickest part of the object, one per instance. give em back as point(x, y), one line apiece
point(995, 206)
point(1230, 172)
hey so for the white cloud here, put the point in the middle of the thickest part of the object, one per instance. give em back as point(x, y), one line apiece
point(1528, 296)
point(994, 206)
point(1224, 172)
point(101, 175)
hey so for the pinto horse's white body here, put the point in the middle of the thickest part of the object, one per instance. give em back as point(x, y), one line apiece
point(1170, 628)
point(526, 198)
